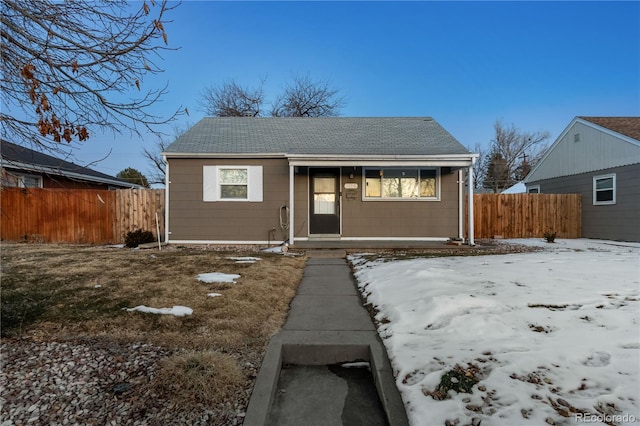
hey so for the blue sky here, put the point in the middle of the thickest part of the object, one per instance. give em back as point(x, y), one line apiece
point(536, 65)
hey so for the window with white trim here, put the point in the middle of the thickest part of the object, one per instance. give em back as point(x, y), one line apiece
point(401, 183)
point(232, 183)
point(604, 189)
point(534, 189)
point(21, 180)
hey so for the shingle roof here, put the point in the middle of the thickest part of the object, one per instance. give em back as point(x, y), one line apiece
point(628, 126)
point(318, 136)
point(16, 156)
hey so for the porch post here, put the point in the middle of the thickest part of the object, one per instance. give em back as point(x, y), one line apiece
point(291, 201)
point(166, 200)
point(470, 202)
point(460, 205)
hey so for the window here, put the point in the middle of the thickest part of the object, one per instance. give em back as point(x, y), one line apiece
point(21, 180)
point(535, 189)
point(401, 183)
point(604, 189)
point(232, 183)
point(324, 195)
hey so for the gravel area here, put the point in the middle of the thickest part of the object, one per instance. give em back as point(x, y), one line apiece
point(91, 383)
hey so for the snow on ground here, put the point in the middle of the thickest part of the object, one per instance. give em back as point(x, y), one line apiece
point(218, 277)
point(178, 311)
point(214, 294)
point(553, 336)
point(244, 259)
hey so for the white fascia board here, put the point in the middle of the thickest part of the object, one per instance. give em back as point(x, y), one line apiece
point(170, 155)
point(57, 172)
point(383, 160)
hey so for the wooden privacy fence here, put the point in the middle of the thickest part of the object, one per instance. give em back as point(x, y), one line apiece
point(527, 215)
point(78, 215)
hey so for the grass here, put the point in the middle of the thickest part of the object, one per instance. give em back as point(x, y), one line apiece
point(58, 292)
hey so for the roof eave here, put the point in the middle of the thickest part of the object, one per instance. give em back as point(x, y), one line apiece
point(57, 172)
point(445, 160)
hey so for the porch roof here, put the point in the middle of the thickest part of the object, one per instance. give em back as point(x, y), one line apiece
point(359, 138)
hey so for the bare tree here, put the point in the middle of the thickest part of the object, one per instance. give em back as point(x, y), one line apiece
point(306, 98)
point(154, 156)
point(232, 100)
point(513, 153)
point(496, 176)
point(70, 67)
point(479, 167)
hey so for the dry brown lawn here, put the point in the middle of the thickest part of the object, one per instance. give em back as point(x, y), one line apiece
point(66, 292)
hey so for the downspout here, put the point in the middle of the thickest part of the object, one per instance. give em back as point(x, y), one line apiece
point(470, 202)
point(460, 205)
point(166, 199)
point(291, 202)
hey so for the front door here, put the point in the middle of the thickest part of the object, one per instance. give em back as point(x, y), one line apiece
point(324, 201)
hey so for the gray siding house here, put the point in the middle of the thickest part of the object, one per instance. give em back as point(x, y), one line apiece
point(598, 157)
point(245, 180)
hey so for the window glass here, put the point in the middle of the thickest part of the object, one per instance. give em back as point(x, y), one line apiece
point(233, 176)
point(324, 203)
point(402, 183)
point(233, 191)
point(604, 190)
point(324, 184)
point(233, 184)
point(427, 183)
point(324, 195)
point(29, 181)
point(604, 183)
point(372, 183)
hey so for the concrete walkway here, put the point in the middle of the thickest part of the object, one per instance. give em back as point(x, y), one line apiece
point(327, 326)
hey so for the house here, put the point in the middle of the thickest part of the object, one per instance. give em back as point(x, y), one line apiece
point(239, 180)
point(25, 168)
point(598, 157)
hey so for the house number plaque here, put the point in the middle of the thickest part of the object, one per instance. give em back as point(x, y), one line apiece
point(351, 190)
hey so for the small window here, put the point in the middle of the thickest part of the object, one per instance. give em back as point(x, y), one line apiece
point(21, 180)
point(604, 189)
point(535, 189)
point(232, 183)
point(401, 183)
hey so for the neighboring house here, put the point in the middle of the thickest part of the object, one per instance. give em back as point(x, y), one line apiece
point(518, 188)
point(25, 168)
point(598, 157)
point(254, 180)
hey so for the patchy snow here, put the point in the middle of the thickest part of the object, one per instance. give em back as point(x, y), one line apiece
point(214, 294)
point(244, 259)
point(178, 311)
point(356, 364)
point(276, 249)
point(218, 277)
point(553, 336)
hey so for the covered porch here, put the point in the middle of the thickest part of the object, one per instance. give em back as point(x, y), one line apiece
point(379, 201)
